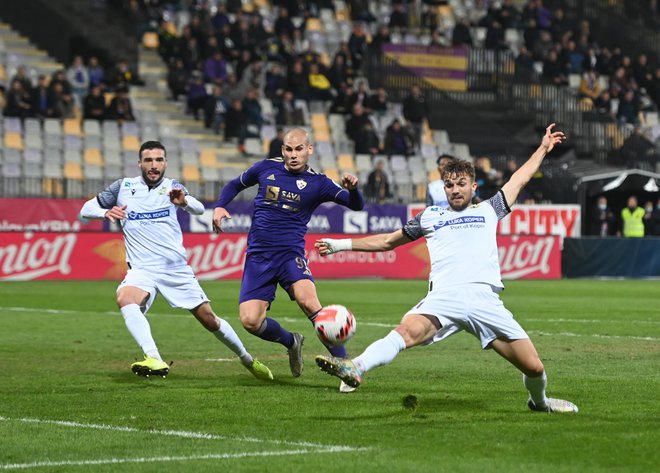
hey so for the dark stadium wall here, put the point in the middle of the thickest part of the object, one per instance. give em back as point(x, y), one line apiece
point(611, 257)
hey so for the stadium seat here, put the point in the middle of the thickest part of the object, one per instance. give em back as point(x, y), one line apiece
point(32, 125)
point(72, 156)
point(112, 171)
point(91, 128)
point(208, 158)
point(92, 171)
point(72, 127)
point(332, 173)
point(191, 173)
point(189, 157)
point(32, 170)
point(31, 155)
point(327, 160)
point(321, 135)
point(93, 156)
point(73, 171)
point(434, 175)
point(150, 40)
point(13, 140)
point(346, 163)
point(253, 146)
point(130, 143)
point(363, 162)
point(12, 170)
point(13, 125)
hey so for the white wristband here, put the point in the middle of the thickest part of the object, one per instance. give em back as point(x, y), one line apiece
point(335, 245)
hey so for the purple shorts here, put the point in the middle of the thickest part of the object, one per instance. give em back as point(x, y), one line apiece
point(263, 271)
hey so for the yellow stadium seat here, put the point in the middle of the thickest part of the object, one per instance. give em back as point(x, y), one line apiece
point(420, 192)
point(314, 24)
point(150, 40)
point(208, 158)
point(321, 135)
point(130, 143)
point(53, 187)
point(319, 122)
point(13, 140)
point(73, 171)
point(434, 175)
point(108, 96)
point(191, 173)
point(265, 146)
point(72, 127)
point(345, 162)
point(332, 173)
point(93, 156)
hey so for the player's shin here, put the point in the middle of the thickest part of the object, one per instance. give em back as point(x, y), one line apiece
point(381, 352)
point(272, 331)
point(138, 326)
point(228, 336)
point(536, 387)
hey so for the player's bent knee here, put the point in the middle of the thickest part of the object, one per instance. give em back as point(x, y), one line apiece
point(251, 323)
point(534, 368)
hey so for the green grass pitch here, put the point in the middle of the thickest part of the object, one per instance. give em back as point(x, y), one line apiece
point(68, 401)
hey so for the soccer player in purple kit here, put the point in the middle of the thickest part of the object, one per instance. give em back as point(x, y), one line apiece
point(289, 191)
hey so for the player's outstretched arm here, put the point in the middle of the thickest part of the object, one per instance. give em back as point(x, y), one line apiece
point(92, 210)
point(186, 201)
point(522, 176)
point(372, 243)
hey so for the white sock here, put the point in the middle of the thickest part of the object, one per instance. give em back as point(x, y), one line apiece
point(536, 387)
point(228, 336)
point(381, 352)
point(138, 325)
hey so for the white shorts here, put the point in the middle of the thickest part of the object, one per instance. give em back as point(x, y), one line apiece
point(475, 308)
point(179, 286)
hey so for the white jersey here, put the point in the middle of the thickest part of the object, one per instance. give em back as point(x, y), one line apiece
point(152, 233)
point(462, 245)
point(436, 195)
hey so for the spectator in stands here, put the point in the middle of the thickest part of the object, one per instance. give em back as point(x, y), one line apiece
point(416, 112)
point(95, 71)
point(638, 147)
point(257, 31)
point(525, 65)
point(486, 178)
point(215, 68)
point(288, 112)
point(18, 101)
point(297, 80)
point(511, 167)
point(632, 219)
point(275, 147)
point(319, 85)
point(196, 95)
point(495, 37)
point(628, 111)
point(398, 139)
point(39, 97)
point(377, 188)
point(339, 74)
point(22, 76)
point(604, 222)
point(244, 61)
point(253, 112)
point(356, 122)
point(342, 102)
point(236, 124)
point(357, 45)
point(367, 140)
point(590, 86)
point(603, 104)
point(120, 108)
point(360, 11)
point(60, 103)
point(378, 103)
point(574, 58)
point(398, 18)
point(275, 82)
point(381, 37)
point(554, 71)
point(461, 36)
point(437, 39)
point(654, 87)
point(283, 25)
point(78, 76)
point(542, 46)
point(215, 109)
point(361, 95)
point(648, 218)
point(177, 78)
point(94, 104)
point(121, 76)
point(655, 220)
point(642, 71)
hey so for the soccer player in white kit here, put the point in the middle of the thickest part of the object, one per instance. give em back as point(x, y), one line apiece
point(464, 282)
point(145, 207)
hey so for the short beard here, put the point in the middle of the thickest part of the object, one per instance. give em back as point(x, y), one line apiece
point(461, 207)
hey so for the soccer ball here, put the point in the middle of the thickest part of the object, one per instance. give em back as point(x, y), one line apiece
point(335, 324)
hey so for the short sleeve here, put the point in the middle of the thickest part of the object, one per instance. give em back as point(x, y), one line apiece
point(413, 227)
point(108, 197)
point(499, 204)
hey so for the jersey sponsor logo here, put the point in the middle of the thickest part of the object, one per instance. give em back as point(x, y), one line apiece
point(149, 215)
point(301, 184)
point(127, 184)
point(356, 222)
point(460, 221)
point(271, 177)
point(272, 193)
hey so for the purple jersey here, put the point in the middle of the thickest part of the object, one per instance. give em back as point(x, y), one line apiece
point(285, 202)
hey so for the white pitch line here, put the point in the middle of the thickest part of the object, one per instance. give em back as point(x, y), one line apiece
point(570, 334)
point(210, 456)
point(171, 433)
point(592, 321)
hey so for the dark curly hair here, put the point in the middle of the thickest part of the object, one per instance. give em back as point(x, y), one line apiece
point(459, 167)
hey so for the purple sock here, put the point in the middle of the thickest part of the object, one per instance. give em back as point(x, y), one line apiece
point(272, 331)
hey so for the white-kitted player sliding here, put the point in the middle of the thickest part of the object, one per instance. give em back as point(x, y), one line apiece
point(145, 206)
point(464, 282)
